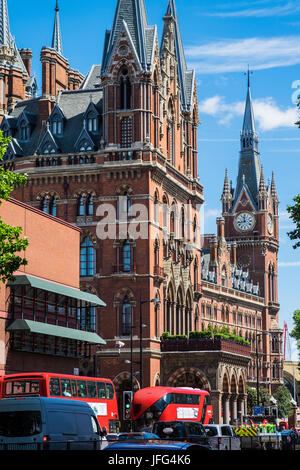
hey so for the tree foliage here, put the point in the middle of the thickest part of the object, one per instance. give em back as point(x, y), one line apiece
point(264, 398)
point(294, 212)
point(283, 397)
point(11, 241)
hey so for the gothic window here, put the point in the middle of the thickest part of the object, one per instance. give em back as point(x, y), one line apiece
point(24, 133)
point(126, 257)
point(92, 122)
point(125, 90)
point(126, 132)
point(56, 126)
point(48, 205)
point(126, 317)
point(156, 253)
point(171, 134)
point(87, 258)
point(85, 146)
point(85, 205)
point(48, 149)
point(123, 206)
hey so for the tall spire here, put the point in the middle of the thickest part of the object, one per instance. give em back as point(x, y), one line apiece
point(186, 77)
point(5, 36)
point(249, 165)
point(56, 38)
point(133, 14)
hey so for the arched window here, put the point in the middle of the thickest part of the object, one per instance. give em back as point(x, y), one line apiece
point(126, 256)
point(123, 206)
point(125, 89)
point(53, 206)
point(56, 126)
point(87, 258)
point(81, 206)
point(126, 317)
point(90, 205)
point(24, 130)
point(45, 205)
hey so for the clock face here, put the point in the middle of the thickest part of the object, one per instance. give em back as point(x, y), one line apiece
point(270, 224)
point(244, 222)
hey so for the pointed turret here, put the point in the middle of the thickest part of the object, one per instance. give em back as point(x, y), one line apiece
point(131, 14)
point(5, 36)
point(226, 195)
point(56, 38)
point(249, 165)
point(186, 77)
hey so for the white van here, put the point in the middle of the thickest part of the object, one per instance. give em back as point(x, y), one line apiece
point(34, 423)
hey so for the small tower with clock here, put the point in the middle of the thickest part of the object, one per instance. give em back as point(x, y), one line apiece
point(250, 211)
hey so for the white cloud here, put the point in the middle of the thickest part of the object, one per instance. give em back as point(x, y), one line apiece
point(282, 10)
point(234, 55)
point(267, 113)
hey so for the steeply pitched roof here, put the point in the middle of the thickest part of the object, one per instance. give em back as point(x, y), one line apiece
point(133, 13)
point(5, 36)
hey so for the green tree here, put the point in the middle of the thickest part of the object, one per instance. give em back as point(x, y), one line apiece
point(264, 398)
point(283, 397)
point(11, 242)
point(294, 212)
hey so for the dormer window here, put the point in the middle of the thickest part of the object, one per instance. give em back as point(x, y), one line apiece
point(57, 126)
point(48, 149)
point(85, 146)
point(92, 123)
point(24, 130)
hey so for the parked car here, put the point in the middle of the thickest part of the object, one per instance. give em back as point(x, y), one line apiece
point(129, 436)
point(33, 423)
point(222, 437)
point(189, 431)
point(154, 447)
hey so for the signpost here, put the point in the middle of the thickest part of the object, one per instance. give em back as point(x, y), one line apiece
point(258, 411)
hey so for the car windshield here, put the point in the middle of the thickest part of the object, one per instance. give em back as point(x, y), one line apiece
point(20, 423)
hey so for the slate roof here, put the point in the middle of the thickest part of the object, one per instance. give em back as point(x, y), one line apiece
point(73, 106)
point(133, 13)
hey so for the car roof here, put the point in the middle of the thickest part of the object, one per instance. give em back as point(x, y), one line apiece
point(162, 445)
point(62, 403)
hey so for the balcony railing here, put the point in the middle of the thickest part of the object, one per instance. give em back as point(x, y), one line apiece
point(204, 344)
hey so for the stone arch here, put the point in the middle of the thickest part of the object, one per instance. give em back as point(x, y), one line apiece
point(84, 192)
point(123, 189)
point(48, 194)
point(189, 376)
point(116, 70)
point(87, 233)
point(122, 293)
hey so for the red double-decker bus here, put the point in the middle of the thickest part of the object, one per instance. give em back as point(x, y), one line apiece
point(98, 393)
point(154, 404)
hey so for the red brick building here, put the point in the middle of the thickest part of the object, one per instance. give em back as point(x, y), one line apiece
point(46, 322)
point(117, 155)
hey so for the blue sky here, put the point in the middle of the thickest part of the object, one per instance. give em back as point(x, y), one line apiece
point(220, 38)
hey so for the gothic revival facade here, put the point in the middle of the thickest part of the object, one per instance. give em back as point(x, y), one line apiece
point(115, 153)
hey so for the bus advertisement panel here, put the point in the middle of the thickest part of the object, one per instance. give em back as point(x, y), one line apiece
point(99, 393)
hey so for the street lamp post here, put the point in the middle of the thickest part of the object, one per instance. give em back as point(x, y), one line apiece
point(257, 365)
point(155, 301)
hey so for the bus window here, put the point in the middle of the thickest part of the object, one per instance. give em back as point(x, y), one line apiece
point(81, 387)
point(22, 387)
point(101, 390)
point(74, 389)
point(109, 391)
point(65, 387)
point(54, 387)
point(92, 391)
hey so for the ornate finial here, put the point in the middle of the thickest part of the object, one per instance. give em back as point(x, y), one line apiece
point(56, 7)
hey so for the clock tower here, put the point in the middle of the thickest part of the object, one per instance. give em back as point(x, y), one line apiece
point(250, 211)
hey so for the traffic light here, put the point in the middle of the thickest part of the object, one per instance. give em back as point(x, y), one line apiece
point(127, 399)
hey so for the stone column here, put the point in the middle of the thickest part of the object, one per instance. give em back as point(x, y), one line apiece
point(216, 401)
point(233, 408)
point(226, 407)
